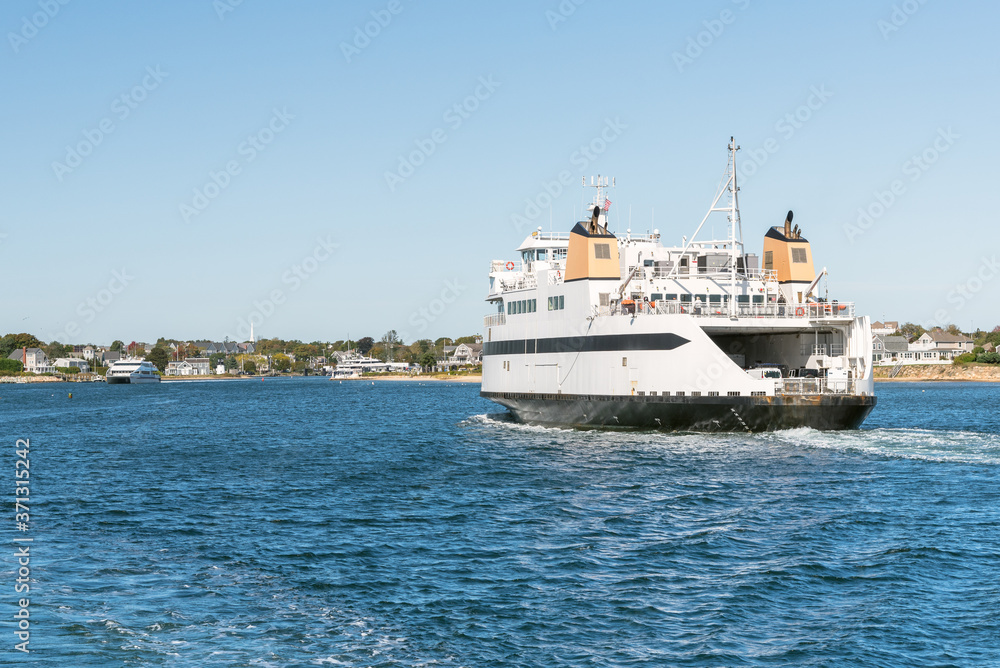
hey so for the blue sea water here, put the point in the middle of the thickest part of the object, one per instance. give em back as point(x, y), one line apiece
point(303, 522)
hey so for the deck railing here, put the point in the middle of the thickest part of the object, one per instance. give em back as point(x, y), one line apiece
point(814, 386)
point(720, 310)
point(495, 320)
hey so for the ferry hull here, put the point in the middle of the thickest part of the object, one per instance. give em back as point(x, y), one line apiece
point(704, 414)
point(126, 380)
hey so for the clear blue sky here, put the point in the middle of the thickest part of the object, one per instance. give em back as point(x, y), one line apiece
point(329, 122)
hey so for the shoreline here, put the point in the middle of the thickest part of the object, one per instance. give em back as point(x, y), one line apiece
point(407, 378)
point(962, 373)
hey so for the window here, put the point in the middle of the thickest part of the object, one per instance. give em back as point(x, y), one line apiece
point(671, 297)
point(542, 253)
point(624, 361)
point(602, 251)
point(768, 259)
point(742, 299)
point(603, 297)
point(798, 255)
point(562, 302)
point(685, 298)
point(509, 311)
point(655, 297)
point(550, 304)
point(758, 299)
point(715, 299)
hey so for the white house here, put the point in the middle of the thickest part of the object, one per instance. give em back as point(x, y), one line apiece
point(932, 348)
point(34, 360)
point(192, 366)
point(66, 362)
point(887, 328)
point(946, 345)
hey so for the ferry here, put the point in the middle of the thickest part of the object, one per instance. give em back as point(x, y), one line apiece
point(132, 371)
point(593, 329)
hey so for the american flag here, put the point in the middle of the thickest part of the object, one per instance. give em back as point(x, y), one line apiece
point(607, 204)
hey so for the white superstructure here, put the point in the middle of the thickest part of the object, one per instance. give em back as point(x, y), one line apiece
point(132, 371)
point(593, 329)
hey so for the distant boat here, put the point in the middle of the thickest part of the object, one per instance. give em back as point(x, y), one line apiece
point(131, 371)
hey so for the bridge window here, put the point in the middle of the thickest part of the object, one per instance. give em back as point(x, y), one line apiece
point(798, 255)
point(602, 251)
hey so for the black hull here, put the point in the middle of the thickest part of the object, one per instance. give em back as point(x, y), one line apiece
point(824, 412)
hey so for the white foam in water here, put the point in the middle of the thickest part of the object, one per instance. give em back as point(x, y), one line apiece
point(920, 444)
point(923, 444)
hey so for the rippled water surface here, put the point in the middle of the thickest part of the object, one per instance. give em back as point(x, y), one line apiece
point(302, 522)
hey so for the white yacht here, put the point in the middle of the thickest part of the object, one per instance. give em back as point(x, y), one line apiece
point(132, 371)
point(594, 329)
point(353, 365)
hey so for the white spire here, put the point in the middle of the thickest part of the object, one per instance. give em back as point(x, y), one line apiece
point(251, 334)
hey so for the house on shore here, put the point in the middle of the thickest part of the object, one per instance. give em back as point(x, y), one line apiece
point(887, 328)
point(67, 362)
point(461, 356)
point(943, 343)
point(191, 366)
point(34, 360)
point(934, 347)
